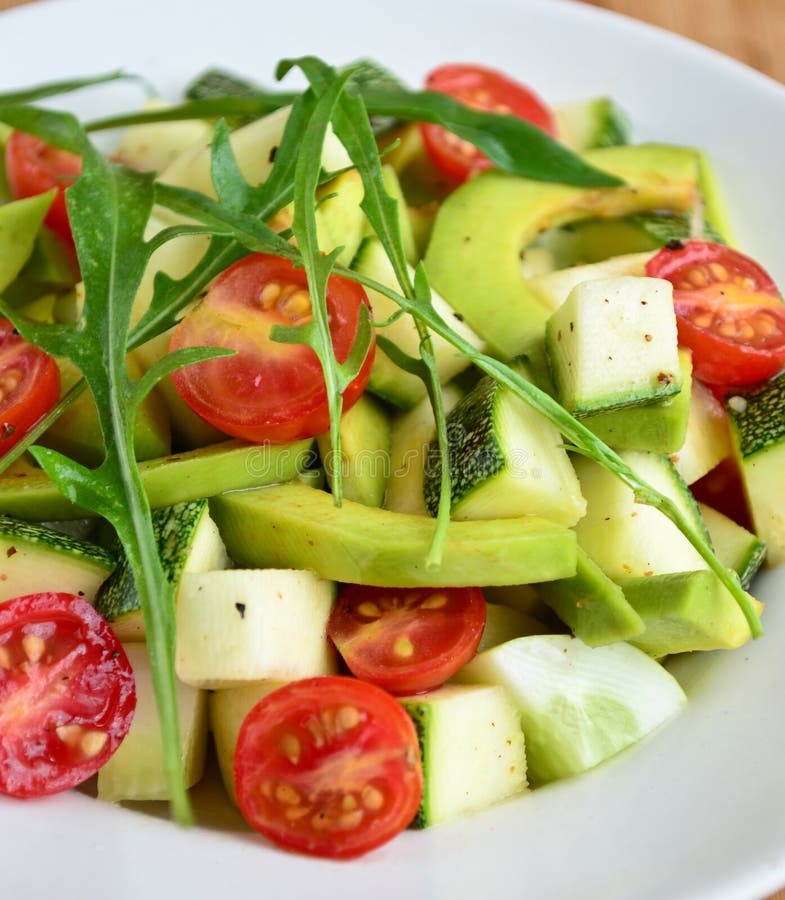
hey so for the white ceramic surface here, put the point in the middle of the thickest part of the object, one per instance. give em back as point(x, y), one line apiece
point(697, 811)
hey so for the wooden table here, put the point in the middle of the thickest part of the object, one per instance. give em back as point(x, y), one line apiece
point(752, 31)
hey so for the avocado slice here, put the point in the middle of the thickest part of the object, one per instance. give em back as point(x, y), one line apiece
point(474, 256)
point(27, 492)
point(294, 526)
point(77, 432)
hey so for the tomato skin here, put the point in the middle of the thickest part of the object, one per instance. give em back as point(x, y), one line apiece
point(485, 89)
point(328, 766)
point(67, 693)
point(728, 311)
point(407, 640)
point(29, 385)
point(34, 167)
point(268, 391)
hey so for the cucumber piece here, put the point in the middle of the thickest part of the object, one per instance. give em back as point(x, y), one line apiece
point(586, 124)
point(20, 222)
point(593, 606)
point(187, 541)
point(237, 626)
point(227, 710)
point(628, 539)
point(579, 705)
point(35, 559)
point(387, 380)
point(412, 433)
point(613, 343)
point(736, 548)
point(504, 623)
point(136, 770)
point(553, 288)
point(365, 451)
point(28, 493)
point(153, 146)
point(660, 427)
point(707, 441)
point(292, 525)
point(757, 427)
point(472, 750)
point(685, 611)
point(505, 460)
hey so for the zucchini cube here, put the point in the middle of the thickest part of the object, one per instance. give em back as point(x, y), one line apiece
point(613, 344)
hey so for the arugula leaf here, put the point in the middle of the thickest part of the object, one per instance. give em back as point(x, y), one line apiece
point(512, 144)
point(53, 88)
point(109, 207)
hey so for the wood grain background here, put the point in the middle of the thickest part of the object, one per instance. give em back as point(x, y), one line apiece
point(752, 31)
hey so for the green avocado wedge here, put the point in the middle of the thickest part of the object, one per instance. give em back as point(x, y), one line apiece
point(295, 526)
point(28, 493)
point(474, 256)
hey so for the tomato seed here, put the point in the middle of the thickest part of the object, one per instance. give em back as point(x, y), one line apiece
point(369, 609)
point(290, 747)
point(727, 329)
point(719, 271)
point(348, 803)
point(70, 735)
point(351, 819)
point(296, 812)
point(435, 601)
point(403, 646)
point(5, 658)
point(698, 278)
point(34, 647)
point(285, 793)
point(93, 743)
point(347, 717)
point(372, 798)
point(269, 294)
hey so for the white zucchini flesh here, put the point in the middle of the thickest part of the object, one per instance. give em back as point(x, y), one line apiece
point(136, 770)
point(238, 626)
point(579, 705)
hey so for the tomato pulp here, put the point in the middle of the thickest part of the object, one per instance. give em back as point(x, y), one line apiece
point(407, 640)
point(484, 89)
point(328, 766)
point(67, 693)
point(267, 391)
point(34, 167)
point(728, 310)
point(29, 385)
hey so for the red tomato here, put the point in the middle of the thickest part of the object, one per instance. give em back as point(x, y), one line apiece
point(728, 309)
point(268, 391)
point(33, 167)
point(723, 490)
point(407, 640)
point(67, 693)
point(29, 385)
point(328, 766)
point(484, 89)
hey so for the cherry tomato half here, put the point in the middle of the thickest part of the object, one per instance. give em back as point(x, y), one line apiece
point(484, 89)
point(34, 167)
point(67, 693)
point(728, 309)
point(328, 766)
point(407, 640)
point(29, 385)
point(268, 391)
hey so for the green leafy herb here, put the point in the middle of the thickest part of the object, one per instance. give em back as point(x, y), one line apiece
point(108, 208)
point(53, 88)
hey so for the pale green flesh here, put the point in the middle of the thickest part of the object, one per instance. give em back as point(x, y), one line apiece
point(295, 526)
point(736, 548)
point(579, 705)
point(472, 750)
point(231, 465)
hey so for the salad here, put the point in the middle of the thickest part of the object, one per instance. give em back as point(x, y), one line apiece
point(698, 271)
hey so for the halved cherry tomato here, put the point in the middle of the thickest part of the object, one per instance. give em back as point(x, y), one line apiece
point(67, 693)
point(484, 89)
point(328, 766)
point(34, 167)
point(407, 640)
point(723, 490)
point(268, 391)
point(728, 309)
point(29, 385)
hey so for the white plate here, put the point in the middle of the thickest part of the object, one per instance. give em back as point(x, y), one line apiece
point(699, 809)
